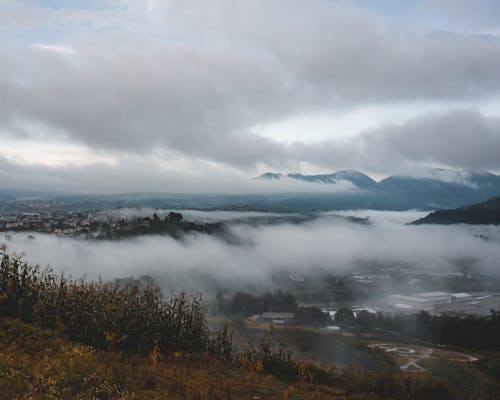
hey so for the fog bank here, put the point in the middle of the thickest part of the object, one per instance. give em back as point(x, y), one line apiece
point(323, 244)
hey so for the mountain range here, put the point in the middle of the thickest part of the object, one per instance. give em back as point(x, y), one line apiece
point(432, 189)
point(359, 179)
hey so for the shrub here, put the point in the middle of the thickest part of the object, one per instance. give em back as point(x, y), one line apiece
point(106, 315)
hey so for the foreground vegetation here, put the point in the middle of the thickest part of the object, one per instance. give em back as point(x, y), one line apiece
point(38, 364)
point(66, 339)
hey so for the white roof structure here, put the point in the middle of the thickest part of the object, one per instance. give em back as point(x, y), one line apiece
point(460, 295)
point(408, 299)
point(333, 328)
point(416, 303)
point(435, 296)
point(432, 294)
point(277, 315)
point(405, 307)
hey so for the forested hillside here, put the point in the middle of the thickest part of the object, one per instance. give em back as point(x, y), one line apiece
point(486, 213)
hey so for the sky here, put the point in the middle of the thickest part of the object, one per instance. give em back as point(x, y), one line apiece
point(180, 95)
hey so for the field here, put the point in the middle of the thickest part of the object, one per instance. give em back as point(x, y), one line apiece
point(475, 374)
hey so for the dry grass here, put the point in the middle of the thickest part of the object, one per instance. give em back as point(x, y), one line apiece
point(36, 364)
point(88, 340)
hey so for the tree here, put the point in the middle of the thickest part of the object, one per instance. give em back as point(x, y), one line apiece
point(175, 217)
point(344, 317)
point(365, 320)
point(312, 316)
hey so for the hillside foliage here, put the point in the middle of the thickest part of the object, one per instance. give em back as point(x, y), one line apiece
point(67, 339)
point(486, 213)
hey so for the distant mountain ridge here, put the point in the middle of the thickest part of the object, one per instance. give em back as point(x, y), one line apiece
point(485, 213)
point(359, 179)
point(465, 177)
point(433, 189)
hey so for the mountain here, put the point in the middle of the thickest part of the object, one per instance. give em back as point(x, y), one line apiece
point(441, 188)
point(432, 189)
point(328, 178)
point(269, 176)
point(359, 179)
point(486, 213)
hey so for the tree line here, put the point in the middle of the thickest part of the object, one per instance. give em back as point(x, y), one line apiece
point(478, 331)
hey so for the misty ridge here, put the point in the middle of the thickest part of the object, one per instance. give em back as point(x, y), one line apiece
point(264, 256)
point(426, 189)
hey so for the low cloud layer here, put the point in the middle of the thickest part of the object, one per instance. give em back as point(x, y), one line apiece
point(325, 244)
point(456, 139)
point(135, 174)
point(460, 138)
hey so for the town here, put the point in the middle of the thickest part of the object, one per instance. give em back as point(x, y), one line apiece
point(98, 225)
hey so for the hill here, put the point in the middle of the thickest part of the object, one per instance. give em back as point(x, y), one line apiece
point(486, 213)
point(42, 364)
point(64, 339)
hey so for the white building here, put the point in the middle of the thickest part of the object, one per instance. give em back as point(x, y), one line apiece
point(459, 297)
point(414, 303)
point(277, 317)
point(435, 297)
point(424, 301)
point(403, 307)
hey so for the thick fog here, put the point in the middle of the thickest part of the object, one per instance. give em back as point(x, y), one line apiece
point(327, 243)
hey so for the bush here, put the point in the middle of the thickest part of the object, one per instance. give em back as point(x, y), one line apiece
point(105, 315)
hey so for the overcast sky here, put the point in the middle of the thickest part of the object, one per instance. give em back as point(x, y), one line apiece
point(160, 95)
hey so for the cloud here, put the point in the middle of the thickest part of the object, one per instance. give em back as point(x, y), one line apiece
point(136, 174)
point(459, 138)
point(482, 14)
point(324, 245)
point(209, 73)
point(54, 48)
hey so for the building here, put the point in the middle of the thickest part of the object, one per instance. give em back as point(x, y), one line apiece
point(460, 297)
point(425, 301)
point(277, 317)
point(403, 307)
point(435, 297)
point(410, 303)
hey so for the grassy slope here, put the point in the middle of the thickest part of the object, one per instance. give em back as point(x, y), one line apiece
point(314, 344)
point(39, 364)
point(471, 380)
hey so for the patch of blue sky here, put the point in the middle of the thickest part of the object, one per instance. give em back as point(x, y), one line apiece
point(465, 16)
point(76, 4)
